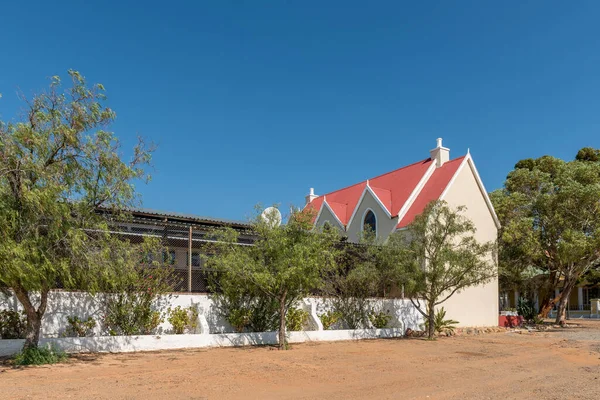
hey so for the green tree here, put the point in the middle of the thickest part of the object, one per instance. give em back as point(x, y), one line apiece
point(285, 263)
point(440, 256)
point(550, 218)
point(58, 167)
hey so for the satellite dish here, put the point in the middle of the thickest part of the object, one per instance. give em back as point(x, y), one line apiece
point(272, 216)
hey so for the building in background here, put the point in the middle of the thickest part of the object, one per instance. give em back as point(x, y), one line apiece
point(389, 202)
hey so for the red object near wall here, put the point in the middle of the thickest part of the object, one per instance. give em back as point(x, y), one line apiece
point(509, 321)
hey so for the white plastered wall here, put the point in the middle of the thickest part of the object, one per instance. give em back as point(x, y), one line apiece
point(327, 216)
point(478, 305)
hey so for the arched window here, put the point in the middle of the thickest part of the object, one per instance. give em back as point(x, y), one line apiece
point(370, 222)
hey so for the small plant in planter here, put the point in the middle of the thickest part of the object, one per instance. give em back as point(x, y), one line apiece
point(379, 319)
point(80, 328)
point(329, 318)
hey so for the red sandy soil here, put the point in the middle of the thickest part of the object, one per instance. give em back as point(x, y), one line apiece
point(561, 364)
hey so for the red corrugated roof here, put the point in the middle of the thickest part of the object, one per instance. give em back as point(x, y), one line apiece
point(432, 190)
point(401, 183)
point(393, 189)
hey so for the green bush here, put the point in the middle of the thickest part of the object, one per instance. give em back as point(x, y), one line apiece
point(136, 306)
point(39, 356)
point(13, 324)
point(379, 319)
point(329, 318)
point(240, 318)
point(183, 318)
point(526, 309)
point(441, 324)
point(295, 319)
point(80, 328)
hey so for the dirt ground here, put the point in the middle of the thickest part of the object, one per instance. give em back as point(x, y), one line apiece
point(562, 364)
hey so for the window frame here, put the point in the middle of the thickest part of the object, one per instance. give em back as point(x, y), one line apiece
point(364, 216)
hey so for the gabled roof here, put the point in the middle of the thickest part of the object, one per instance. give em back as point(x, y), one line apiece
point(403, 193)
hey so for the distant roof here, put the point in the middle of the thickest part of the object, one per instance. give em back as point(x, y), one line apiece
point(147, 212)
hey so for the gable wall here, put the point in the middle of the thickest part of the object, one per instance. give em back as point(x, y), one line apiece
point(327, 216)
point(475, 306)
point(385, 224)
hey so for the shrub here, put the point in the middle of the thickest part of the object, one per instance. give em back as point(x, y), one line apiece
point(240, 318)
point(295, 319)
point(379, 319)
point(246, 311)
point(79, 328)
point(526, 309)
point(440, 323)
point(135, 307)
point(183, 318)
point(39, 356)
point(13, 324)
point(329, 318)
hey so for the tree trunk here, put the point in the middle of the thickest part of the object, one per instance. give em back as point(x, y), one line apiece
point(547, 306)
point(549, 299)
point(431, 319)
point(561, 315)
point(34, 317)
point(282, 341)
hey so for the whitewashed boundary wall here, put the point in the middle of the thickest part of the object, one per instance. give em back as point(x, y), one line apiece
point(62, 304)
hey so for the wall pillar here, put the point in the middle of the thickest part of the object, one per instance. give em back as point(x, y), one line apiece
point(580, 297)
point(516, 298)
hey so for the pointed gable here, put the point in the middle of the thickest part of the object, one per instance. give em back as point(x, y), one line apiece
point(344, 201)
point(392, 189)
point(432, 190)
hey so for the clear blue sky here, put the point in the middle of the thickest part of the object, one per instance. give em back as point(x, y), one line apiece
point(257, 101)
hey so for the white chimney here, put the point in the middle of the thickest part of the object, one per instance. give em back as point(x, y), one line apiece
point(311, 196)
point(440, 154)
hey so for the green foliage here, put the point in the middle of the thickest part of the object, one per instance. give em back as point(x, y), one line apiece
point(588, 154)
point(440, 254)
point(350, 286)
point(245, 308)
point(239, 318)
point(349, 295)
point(183, 319)
point(13, 324)
point(550, 224)
point(526, 309)
point(329, 318)
point(285, 264)
point(39, 356)
point(137, 303)
point(80, 328)
point(379, 319)
point(441, 324)
point(295, 319)
point(58, 166)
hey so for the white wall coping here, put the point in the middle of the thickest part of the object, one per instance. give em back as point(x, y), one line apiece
point(118, 344)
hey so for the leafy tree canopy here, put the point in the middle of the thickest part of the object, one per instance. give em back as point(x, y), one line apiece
point(550, 217)
point(58, 166)
point(285, 263)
